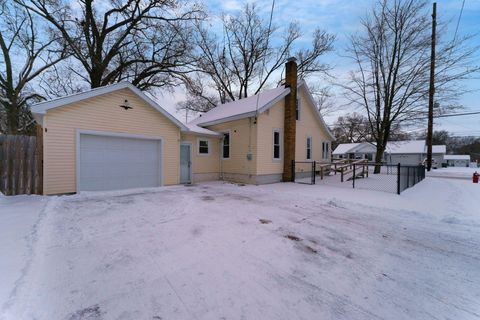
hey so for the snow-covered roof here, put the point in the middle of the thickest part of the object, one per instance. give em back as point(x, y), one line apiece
point(242, 108)
point(438, 149)
point(456, 157)
point(344, 148)
point(193, 128)
point(251, 106)
point(41, 108)
point(407, 146)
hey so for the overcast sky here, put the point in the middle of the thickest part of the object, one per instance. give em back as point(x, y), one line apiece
point(342, 18)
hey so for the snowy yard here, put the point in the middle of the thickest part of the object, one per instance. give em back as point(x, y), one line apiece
point(223, 251)
point(453, 172)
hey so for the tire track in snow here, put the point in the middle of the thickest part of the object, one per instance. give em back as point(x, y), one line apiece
point(32, 244)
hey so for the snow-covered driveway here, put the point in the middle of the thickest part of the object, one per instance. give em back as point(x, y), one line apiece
point(283, 251)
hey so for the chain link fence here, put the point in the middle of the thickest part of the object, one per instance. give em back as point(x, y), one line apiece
point(359, 174)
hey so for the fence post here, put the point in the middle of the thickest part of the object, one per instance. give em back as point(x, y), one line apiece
point(398, 178)
point(321, 172)
point(313, 171)
point(408, 177)
point(354, 176)
point(38, 188)
point(341, 176)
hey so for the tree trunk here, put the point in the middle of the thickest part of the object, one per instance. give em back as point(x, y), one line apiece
point(12, 119)
point(379, 157)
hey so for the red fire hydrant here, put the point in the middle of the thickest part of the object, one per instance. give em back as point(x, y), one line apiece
point(475, 177)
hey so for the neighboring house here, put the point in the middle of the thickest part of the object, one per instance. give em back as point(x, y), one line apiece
point(116, 137)
point(457, 160)
point(410, 152)
point(361, 150)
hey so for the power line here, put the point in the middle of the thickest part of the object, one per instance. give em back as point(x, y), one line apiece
point(452, 115)
point(266, 48)
point(458, 21)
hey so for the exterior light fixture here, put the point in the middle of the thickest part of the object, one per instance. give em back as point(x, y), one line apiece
point(125, 105)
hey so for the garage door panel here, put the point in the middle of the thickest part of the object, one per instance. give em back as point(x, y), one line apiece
point(91, 142)
point(109, 163)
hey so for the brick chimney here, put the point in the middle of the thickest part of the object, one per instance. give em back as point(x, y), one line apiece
point(290, 121)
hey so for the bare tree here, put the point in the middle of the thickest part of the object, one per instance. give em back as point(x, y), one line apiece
point(351, 128)
point(25, 56)
point(243, 60)
point(324, 98)
point(145, 42)
point(392, 75)
point(61, 80)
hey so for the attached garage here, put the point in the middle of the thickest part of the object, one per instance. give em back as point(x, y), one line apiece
point(108, 138)
point(110, 162)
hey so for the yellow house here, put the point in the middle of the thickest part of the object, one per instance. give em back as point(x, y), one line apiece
point(116, 137)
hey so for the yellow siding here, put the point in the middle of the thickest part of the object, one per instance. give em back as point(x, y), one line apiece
point(267, 122)
point(242, 141)
point(103, 113)
point(309, 126)
point(204, 163)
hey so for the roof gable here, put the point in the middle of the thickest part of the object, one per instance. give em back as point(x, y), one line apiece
point(41, 108)
point(303, 85)
point(242, 108)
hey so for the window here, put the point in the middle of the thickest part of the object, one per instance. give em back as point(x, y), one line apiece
point(276, 144)
point(325, 151)
point(203, 146)
point(309, 148)
point(226, 145)
point(297, 110)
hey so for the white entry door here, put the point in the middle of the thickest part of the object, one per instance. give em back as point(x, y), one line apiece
point(111, 163)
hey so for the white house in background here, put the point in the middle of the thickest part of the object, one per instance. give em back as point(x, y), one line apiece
point(360, 150)
point(457, 160)
point(409, 152)
point(412, 152)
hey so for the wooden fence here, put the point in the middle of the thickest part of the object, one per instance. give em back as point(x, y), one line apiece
point(21, 159)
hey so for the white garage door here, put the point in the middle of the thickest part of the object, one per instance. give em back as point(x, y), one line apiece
point(110, 163)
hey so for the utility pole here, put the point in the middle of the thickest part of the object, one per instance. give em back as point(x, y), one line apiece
point(431, 90)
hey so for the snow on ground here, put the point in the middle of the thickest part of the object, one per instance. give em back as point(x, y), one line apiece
point(282, 251)
point(18, 217)
point(453, 172)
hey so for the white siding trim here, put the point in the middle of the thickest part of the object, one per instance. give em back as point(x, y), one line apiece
point(306, 148)
point(209, 147)
point(280, 132)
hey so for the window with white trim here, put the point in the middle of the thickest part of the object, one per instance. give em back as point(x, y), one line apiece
point(325, 150)
point(203, 146)
point(226, 145)
point(277, 140)
point(309, 148)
